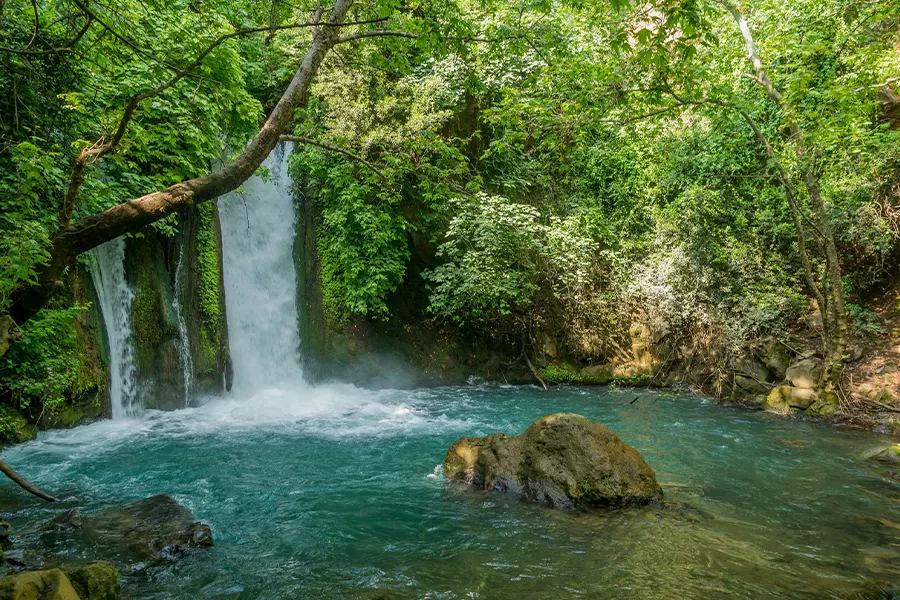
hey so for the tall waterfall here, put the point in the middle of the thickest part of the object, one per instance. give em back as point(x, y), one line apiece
point(184, 346)
point(258, 229)
point(116, 296)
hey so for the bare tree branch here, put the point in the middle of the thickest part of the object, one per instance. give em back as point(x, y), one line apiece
point(24, 484)
point(377, 33)
point(66, 48)
point(330, 148)
point(101, 147)
point(89, 232)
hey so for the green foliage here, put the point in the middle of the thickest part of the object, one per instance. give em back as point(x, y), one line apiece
point(563, 373)
point(491, 252)
point(867, 323)
point(46, 366)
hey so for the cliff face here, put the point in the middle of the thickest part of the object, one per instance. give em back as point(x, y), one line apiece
point(154, 265)
point(57, 374)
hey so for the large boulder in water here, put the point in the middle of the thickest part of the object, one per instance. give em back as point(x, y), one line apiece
point(155, 527)
point(563, 460)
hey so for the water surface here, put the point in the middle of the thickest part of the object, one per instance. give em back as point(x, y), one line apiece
point(334, 492)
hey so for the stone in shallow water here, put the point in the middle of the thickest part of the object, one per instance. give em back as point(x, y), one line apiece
point(562, 460)
point(155, 527)
point(38, 585)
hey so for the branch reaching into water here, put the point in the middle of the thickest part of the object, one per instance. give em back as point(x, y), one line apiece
point(535, 372)
point(24, 484)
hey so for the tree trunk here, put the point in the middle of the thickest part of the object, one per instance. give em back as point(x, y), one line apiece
point(89, 232)
point(834, 315)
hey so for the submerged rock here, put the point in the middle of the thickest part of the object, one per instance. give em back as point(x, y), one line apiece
point(51, 584)
point(563, 460)
point(155, 527)
point(67, 521)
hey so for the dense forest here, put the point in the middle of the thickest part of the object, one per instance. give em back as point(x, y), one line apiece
point(559, 171)
point(263, 261)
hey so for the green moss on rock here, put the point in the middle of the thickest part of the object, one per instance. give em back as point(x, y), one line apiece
point(51, 584)
point(14, 427)
point(94, 581)
point(563, 460)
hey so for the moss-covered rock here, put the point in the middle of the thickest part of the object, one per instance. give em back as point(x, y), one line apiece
point(94, 581)
point(51, 584)
point(14, 427)
point(891, 455)
point(562, 460)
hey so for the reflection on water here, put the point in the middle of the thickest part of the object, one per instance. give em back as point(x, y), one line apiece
point(330, 492)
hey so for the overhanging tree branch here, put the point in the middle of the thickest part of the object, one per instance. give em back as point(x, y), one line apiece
point(377, 33)
point(66, 48)
point(336, 149)
point(89, 232)
point(103, 147)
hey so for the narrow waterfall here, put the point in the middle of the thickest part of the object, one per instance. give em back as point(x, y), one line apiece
point(258, 229)
point(116, 296)
point(184, 346)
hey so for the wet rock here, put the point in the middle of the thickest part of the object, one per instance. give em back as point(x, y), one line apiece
point(889, 455)
point(155, 527)
point(67, 521)
point(597, 374)
point(806, 373)
point(14, 557)
point(786, 397)
point(38, 585)
point(778, 398)
point(749, 385)
point(562, 460)
point(94, 581)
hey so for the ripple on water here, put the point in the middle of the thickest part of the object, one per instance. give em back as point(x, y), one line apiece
point(333, 492)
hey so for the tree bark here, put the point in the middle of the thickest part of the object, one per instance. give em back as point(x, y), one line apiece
point(89, 232)
point(834, 315)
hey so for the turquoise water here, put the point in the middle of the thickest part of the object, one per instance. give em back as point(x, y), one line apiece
point(334, 492)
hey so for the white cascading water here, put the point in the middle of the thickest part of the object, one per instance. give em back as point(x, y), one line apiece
point(116, 297)
point(184, 346)
point(258, 229)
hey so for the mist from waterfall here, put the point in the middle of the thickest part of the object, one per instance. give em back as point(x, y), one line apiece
point(258, 230)
point(116, 296)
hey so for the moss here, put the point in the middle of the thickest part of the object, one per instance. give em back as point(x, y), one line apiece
point(778, 398)
point(563, 373)
point(601, 375)
point(149, 331)
point(94, 581)
point(14, 427)
point(211, 326)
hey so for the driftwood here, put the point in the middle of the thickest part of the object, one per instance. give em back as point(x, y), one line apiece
point(24, 484)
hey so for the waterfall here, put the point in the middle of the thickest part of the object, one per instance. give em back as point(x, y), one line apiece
point(116, 296)
point(258, 229)
point(184, 346)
